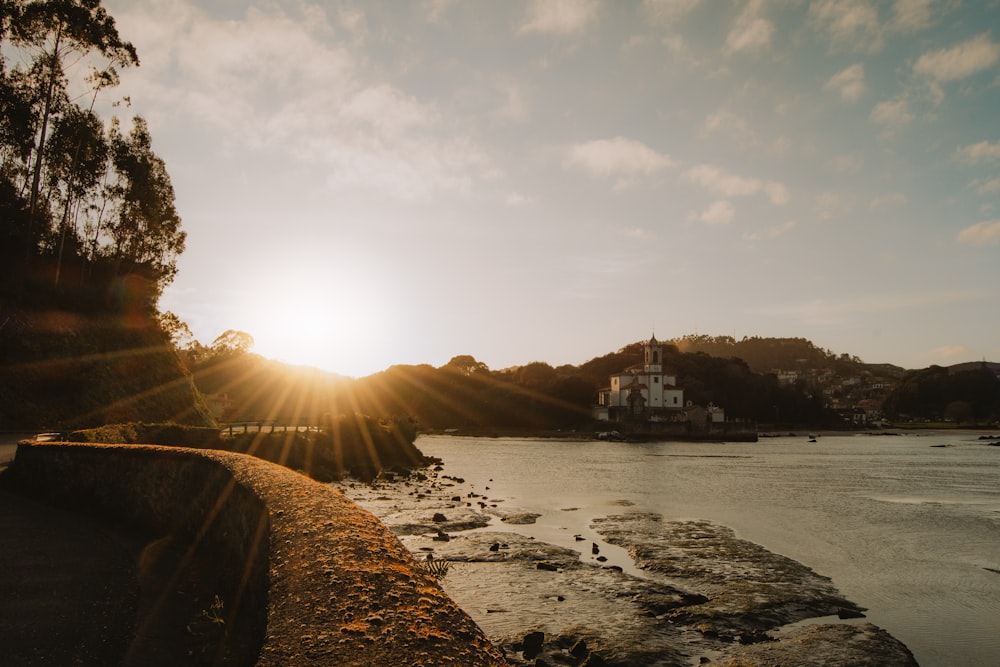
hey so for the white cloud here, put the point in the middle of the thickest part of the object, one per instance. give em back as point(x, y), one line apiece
point(436, 9)
point(981, 234)
point(847, 164)
point(624, 158)
point(979, 152)
point(668, 11)
point(987, 187)
point(718, 213)
point(912, 15)
point(727, 123)
point(849, 82)
point(889, 201)
point(718, 180)
point(961, 61)
point(831, 205)
point(274, 80)
point(750, 32)
point(562, 17)
point(892, 115)
point(848, 24)
point(516, 199)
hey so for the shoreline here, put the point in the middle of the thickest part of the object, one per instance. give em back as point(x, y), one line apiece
point(694, 593)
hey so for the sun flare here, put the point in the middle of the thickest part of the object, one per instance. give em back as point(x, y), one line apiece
point(306, 322)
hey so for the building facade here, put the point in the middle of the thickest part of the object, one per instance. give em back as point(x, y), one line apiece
point(643, 393)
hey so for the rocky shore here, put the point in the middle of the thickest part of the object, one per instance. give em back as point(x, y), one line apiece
point(687, 592)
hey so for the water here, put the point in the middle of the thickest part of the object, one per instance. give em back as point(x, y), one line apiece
point(903, 526)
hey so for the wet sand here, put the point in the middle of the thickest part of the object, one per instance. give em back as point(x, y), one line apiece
point(646, 591)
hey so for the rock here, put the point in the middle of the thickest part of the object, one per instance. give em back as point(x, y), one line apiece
point(579, 650)
point(439, 518)
point(594, 549)
point(531, 645)
point(847, 612)
point(549, 567)
point(495, 546)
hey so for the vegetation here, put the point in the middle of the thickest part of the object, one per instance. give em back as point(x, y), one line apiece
point(89, 234)
point(87, 208)
point(941, 394)
point(346, 445)
point(465, 394)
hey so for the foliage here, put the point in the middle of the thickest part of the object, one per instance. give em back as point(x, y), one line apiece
point(62, 370)
point(84, 207)
point(938, 393)
point(132, 433)
point(348, 444)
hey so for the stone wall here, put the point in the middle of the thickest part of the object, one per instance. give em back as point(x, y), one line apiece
point(307, 576)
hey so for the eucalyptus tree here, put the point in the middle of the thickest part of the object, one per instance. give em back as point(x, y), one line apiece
point(77, 154)
point(146, 228)
point(55, 34)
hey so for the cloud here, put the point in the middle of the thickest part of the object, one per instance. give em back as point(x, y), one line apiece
point(849, 83)
point(830, 313)
point(750, 32)
point(980, 152)
point(624, 158)
point(892, 115)
point(436, 9)
point(279, 81)
point(718, 213)
point(730, 125)
point(961, 61)
point(516, 199)
point(668, 11)
point(981, 234)
point(830, 205)
point(561, 17)
point(987, 187)
point(847, 164)
point(912, 15)
point(718, 180)
point(851, 25)
point(889, 201)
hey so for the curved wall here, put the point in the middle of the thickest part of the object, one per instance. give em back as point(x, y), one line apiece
point(307, 576)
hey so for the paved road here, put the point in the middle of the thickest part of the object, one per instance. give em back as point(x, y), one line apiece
point(67, 591)
point(76, 591)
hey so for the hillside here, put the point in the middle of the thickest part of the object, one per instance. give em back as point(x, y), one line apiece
point(61, 369)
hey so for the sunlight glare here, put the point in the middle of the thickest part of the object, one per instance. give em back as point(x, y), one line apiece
point(336, 325)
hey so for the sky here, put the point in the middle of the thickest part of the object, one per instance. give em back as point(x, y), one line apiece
point(366, 184)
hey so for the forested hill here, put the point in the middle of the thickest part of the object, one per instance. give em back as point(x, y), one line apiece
point(767, 355)
point(465, 393)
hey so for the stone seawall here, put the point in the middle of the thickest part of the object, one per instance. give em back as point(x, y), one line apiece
point(304, 576)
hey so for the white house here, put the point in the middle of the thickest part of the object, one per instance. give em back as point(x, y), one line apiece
point(643, 392)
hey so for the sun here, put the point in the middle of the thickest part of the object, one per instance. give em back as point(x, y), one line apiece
point(335, 325)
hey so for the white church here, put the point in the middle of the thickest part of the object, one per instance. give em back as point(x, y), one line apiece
point(647, 393)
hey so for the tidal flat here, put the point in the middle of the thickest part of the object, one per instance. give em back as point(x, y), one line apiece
point(638, 589)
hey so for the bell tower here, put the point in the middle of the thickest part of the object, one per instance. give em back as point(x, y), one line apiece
point(654, 356)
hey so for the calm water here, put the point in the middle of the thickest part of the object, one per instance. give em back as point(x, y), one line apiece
point(904, 528)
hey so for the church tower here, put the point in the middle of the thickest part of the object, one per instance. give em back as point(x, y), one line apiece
point(654, 356)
